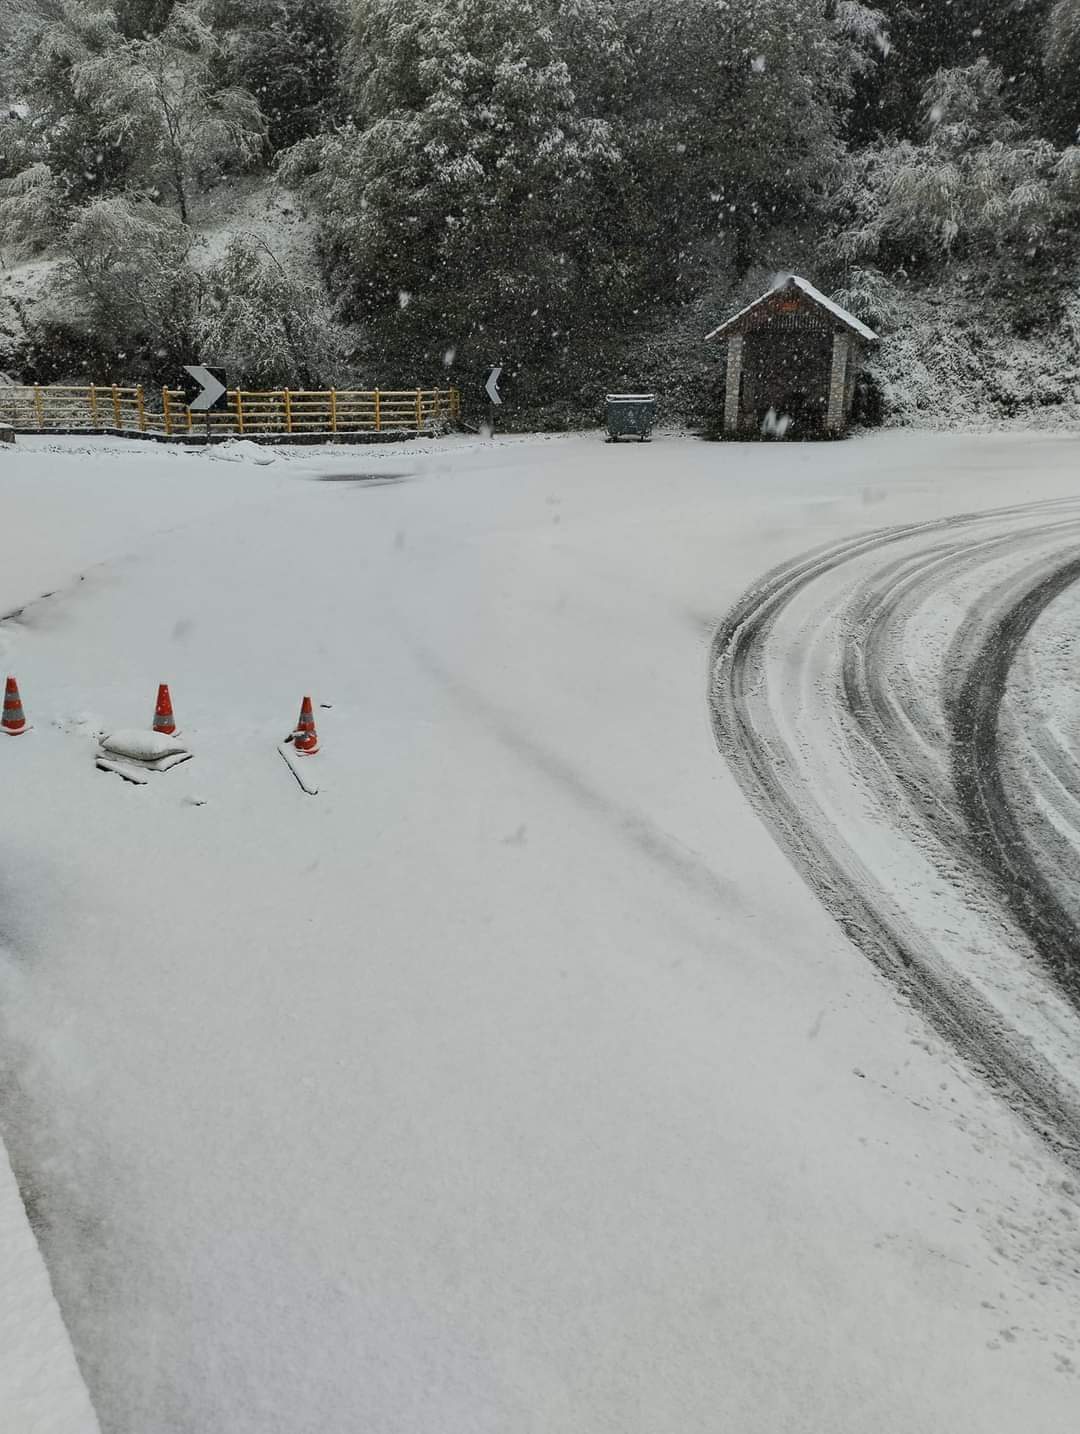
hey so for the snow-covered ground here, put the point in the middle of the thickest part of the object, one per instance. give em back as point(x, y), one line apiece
point(516, 1081)
point(41, 1389)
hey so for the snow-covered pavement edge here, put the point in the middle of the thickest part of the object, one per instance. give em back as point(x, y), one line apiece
point(41, 1388)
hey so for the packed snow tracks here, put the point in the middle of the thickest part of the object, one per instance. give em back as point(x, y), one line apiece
point(862, 696)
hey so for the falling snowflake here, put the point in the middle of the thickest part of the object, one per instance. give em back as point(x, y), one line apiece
point(404, 298)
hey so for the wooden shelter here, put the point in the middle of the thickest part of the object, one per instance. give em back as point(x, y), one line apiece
point(795, 354)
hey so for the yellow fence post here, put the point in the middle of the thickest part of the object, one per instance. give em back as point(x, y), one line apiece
point(378, 412)
point(166, 415)
point(333, 410)
point(288, 410)
point(141, 407)
point(39, 406)
point(116, 407)
point(93, 406)
point(419, 411)
point(239, 412)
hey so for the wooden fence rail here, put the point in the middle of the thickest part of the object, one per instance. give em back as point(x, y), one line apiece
point(107, 408)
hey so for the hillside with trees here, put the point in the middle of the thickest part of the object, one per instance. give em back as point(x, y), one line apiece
point(581, 189)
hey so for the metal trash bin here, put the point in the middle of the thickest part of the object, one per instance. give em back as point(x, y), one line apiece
point(630, 413)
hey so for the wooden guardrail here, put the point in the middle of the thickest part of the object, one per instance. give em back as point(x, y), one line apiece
point(98, 408)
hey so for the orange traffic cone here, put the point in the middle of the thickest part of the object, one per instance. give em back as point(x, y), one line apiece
point(163, 713)
point(14, 721)
point(305, 738)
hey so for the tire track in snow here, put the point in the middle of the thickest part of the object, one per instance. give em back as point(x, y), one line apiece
point(881, 777)
point(980, 786)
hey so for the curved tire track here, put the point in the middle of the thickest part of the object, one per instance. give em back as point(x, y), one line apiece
point(929, 761)
point(989, 814)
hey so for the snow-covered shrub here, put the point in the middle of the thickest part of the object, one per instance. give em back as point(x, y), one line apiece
point(32, 207)
point(955, 360)
point(976, 182)
point(126, 281)
point(870, 296)
point(269, 328)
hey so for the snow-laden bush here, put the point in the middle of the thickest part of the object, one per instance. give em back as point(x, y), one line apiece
point(977, 182)
point(870, 296)
point(32, 208)
point(126, 281)
point(269, 328)
point(955, 360)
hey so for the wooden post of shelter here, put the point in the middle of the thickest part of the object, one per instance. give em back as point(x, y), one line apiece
point(287, 396)
point(39, 407)
point(165, 413)
point(378, 412)
point(239, 412)
point(333, 410)
point(834, 417)
point(93, 406)
point(731, 383)
point(141, 406)
point(117, 416)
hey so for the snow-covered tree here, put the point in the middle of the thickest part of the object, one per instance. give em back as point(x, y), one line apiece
point(976, 183)
point(287, 55)
point(158, 96)
point(126, 278)
point(268, 327)
point(55, 37)
point(931, 35)
point(458, 206)
point(31, 208)
point(732, 119)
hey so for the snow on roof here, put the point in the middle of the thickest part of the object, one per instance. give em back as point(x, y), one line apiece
point(788, 281)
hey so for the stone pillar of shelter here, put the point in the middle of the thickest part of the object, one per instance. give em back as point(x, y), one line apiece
point(834, 419)
point(731, 387)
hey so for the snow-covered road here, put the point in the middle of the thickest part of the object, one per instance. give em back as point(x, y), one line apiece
point(516, 1082)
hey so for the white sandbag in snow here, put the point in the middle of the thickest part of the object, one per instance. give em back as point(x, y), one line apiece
point(142, 746)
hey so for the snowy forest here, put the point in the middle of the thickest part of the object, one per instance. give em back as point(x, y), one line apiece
point(406, 191)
